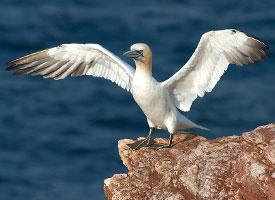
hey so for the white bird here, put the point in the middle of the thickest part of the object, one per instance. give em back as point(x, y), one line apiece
point(159, 101)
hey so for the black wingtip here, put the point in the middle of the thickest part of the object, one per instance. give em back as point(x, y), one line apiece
point(10, 64)
point(7, 64)
point(258, 39)
point(9, 68)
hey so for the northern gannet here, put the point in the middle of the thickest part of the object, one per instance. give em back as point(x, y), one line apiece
point(159, 101)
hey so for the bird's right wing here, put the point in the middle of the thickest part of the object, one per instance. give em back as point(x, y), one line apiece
point(75, 60)
point(215, 51)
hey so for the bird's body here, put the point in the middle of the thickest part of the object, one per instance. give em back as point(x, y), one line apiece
point(160, 101)
point(154, 100)
point(149, 95)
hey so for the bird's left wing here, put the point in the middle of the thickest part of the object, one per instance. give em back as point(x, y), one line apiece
point(75, 60)
point(215, 51)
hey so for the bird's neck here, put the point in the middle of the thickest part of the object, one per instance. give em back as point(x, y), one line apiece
point(144, 67)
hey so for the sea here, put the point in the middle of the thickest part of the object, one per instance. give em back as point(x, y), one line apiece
point(58, 139)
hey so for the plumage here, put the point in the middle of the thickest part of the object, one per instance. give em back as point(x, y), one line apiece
point(215, 51)
point(74, 60)
point(158, 100)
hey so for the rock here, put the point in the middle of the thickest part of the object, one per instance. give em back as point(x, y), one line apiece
point(233, 167)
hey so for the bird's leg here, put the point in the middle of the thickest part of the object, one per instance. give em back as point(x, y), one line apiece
point(148, 138)
point(142, 143)
point(161, 146)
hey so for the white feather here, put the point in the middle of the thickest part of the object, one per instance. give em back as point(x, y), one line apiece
point(215, 51)
point(93, 60)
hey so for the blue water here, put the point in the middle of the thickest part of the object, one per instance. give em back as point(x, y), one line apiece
point(58, 139)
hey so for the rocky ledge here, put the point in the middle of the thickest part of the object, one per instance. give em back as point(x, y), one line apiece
point(234, 167)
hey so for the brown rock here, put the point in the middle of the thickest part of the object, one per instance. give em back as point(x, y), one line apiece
point(234, 167)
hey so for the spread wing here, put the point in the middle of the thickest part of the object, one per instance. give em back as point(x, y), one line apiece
point(75, 60)
point(215, 51)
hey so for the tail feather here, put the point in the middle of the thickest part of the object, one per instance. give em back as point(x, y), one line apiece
point(187, 124)
point(202, 127)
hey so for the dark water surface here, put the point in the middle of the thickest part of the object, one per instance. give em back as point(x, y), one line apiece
point(58, 139)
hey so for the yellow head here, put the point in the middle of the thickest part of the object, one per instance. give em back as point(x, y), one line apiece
point(142, 55)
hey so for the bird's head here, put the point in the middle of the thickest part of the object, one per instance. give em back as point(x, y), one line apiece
point(141, 53)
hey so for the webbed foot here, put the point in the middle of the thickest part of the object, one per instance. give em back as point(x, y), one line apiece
point(158, 146)
point(140, 143)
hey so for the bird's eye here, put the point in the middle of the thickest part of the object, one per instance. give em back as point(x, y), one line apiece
point(141, 53)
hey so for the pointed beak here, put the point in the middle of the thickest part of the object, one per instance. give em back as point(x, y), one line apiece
point(133, 54)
